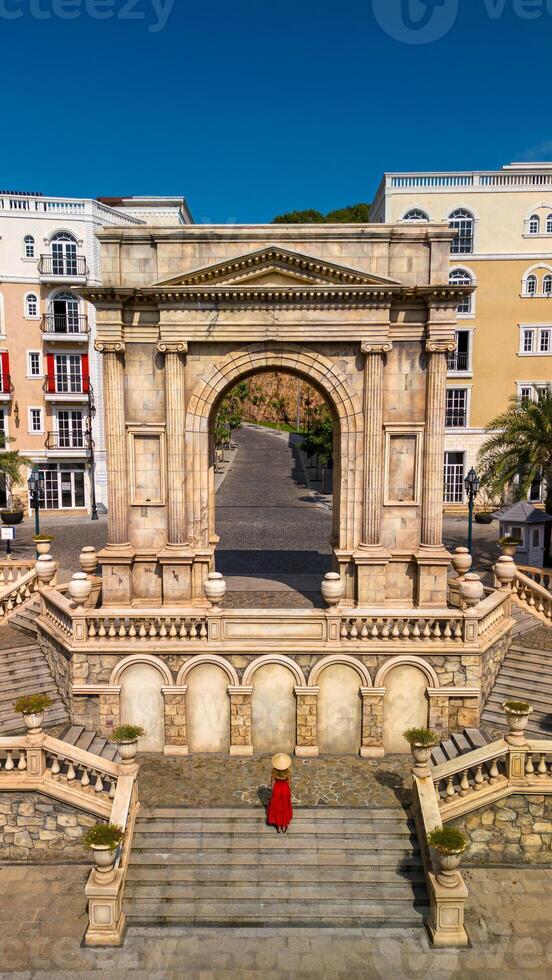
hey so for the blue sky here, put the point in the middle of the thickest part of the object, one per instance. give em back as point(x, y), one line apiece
point(252, 108)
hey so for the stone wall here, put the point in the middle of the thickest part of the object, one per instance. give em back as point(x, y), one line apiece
point(517, 830)
point(491, 662)
point(35, 829)
point(58, 660)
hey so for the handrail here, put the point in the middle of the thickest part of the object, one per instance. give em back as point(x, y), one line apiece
point(15, 593)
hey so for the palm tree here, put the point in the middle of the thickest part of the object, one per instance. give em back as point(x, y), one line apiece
point(520, 445)
point(12, 464)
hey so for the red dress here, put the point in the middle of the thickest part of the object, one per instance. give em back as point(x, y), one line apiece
point(279, 812)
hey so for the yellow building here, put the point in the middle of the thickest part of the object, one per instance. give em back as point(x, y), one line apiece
point(504, 247)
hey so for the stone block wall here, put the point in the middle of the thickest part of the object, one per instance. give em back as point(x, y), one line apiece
point(517, 830)
point(36, 830)
point(59, 662)
point(491, 662)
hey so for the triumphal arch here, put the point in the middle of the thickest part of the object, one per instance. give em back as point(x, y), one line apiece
point(366, 315)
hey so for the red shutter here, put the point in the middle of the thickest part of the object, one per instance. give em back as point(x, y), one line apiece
point(51, 372)
point(5, 371)
point(85, 374)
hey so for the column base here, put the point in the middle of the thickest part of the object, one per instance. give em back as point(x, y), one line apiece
point(176, 568)
point(116, 562)
point(306, 751)
point(370, 564)
point(243, 750)
point(372, 752)
point(175, 750)
point(432, 586)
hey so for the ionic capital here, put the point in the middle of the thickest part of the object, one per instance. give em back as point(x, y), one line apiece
point(374, 347)
point(172, 347)
point(110, 347)
point(440, 346)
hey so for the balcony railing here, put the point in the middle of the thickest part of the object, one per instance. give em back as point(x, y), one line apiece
point(458, 362)
point(64, 323)
point(6, 386)
point(67, 267)
point(67, 440)
point(66, 384)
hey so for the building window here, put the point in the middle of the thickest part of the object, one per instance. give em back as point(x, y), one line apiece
point(459, 277)
point(35, 420)
point(547, 285)
point(549, 225)
point(460, 360)
point(531, 285)
point(31, 306)
point(544, 341)
point(454, 478)
point(528, 341)
point(63, 486)
point(534, 224)
point(70, 430)
point(29, 247)
point(416, 214)
point(456, 416)
point(462, 221)
point(64, 255)
point(531, 392)
point(34, 366)
point(526, 393)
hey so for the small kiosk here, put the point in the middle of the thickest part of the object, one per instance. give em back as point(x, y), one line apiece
point(527, 523)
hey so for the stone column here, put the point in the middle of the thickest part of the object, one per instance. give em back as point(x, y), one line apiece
point(176, 558)
point(372, 722)
point(176, 742)
point(116, 558)
point(432, 557)
point(307, 721)
point(240, 720)
point(371, 557)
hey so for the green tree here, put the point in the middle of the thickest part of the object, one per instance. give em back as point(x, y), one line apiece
point(12, 465)
point(352, 214)
point(519, 447)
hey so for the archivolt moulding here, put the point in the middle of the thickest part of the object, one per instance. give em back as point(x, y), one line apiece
point(206, 658)
point(273, 658)
point(141, 658)
point(422, 665)
point(345, 660)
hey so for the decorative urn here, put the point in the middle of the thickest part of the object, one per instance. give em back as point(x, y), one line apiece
point(333, 589)
point(505, 571)
point(471, 589)
point(80, 588)
point(461, 562)
point(88, 559)
point(34, 722)
point(449, 862)
point(215, 588)
point(45, 569)
point(517, 715)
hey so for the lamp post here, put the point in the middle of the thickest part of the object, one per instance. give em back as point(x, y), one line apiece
point(90, 441)
point(472, 484)
point(36, 484)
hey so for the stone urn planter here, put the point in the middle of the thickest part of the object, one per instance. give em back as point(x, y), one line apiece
point(88, 559)
point(45, 569)
point(421, 741)
point(215, 588)
point(43, 543)
point(11, 517)
point(505, 571)
point(484, 517)
point(80, 588)
point(517, 715)
point(461, 561)
point(449, 845)
point(471, 589)
point(332, 588)
point(103, 839)
point(32, 707)
point(126, 738)
point(509, 546)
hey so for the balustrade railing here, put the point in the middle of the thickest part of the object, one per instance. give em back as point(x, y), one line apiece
point(532, 595)
point(540, 576)
point(405, 627)
point(468, 774)
point(17, 588)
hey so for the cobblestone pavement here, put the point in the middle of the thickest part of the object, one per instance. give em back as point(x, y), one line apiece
point(217, 780)
point(42, 918)
point(70, 534)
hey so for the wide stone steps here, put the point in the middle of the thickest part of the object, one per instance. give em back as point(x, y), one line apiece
point(24, 671)
point(25, 616)
point(458, 744)
point(342, 866)
point(90, 741)
point(525, 675)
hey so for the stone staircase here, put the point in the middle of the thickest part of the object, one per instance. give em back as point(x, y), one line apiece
point(525, 674)
point(335, 866)
point(25, 616)
point(23, 670)
point(459, 743)
point(90, 741)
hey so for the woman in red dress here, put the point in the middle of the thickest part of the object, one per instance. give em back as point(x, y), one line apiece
point(279, 811)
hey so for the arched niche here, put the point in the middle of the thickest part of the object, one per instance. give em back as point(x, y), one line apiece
point(207, 708)
point(339, 710)
point(142, 702)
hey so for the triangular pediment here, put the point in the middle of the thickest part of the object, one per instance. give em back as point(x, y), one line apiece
point(277, 267)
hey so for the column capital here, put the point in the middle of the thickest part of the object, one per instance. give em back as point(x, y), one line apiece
point(172, 346)
point(376, 347)
point(440, 346)
point(110, 347)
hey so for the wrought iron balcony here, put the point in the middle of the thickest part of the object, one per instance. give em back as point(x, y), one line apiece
point(66, 384)
point(458, 362)
point(68, 440)
point(64, 323)
point(63, 267)
point(6, 386)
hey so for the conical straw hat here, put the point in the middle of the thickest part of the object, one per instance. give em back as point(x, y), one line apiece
point(281, 761)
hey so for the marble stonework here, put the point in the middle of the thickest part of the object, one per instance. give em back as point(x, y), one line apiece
point(364, 313)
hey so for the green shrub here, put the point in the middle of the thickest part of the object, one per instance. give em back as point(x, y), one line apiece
point(103, 835)
point(447, 840)
point(509, 540)
point(43, 537)
point(520, 707)
point(421, 736)
point(127, 733)
point(32, 704)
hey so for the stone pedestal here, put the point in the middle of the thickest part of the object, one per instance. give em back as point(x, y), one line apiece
point(372, 722)
point(105, 911)
point(176, 568)
point(240, 720)
point(175, 720)
point(445, 923)
point(307, 721)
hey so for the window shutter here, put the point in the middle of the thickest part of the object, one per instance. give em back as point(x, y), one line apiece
point(51, 372)
point(5, 371)
point(85, 374)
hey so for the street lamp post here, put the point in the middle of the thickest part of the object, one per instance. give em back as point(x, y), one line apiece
point(35, 484)
point(472, 484)
point(91, 414)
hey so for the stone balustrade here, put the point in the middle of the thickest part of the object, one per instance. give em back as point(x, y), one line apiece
point(538, 575)
point(530, 594)
point(19, 585)
point(12, 569)
point(470, 773)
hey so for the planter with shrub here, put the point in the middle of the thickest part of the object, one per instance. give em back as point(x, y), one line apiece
point(421, 741)
point(103, 840)
point(32, 707)
point(509, 545)
point(484, 517)
point(42, 543)
point(449, 845)
point(126, 737)
point(517, 715)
